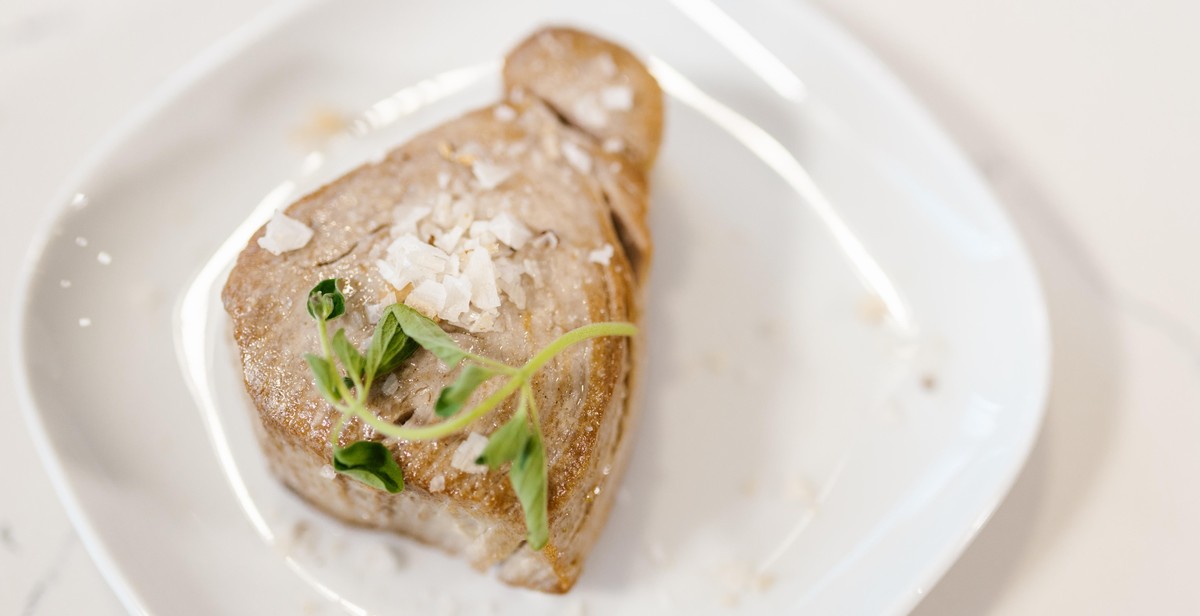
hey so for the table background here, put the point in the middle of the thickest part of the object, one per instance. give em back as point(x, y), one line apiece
point(1084, 115)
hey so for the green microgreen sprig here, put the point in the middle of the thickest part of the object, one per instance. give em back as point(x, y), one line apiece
point(398, 334)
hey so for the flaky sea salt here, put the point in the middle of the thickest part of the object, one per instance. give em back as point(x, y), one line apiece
point(428, 298)
point(508, 278)
point(406, 217)
point(617, 98)
point(442, 215)
point(423, 255)
point(284, 234)
point(438, 483)
point(481, 322)
point(580, 160)
point(602, 255)
point(489, 175)
point(411, 261)
point(482, 273)
point(464, 457)
point(458, 298)
point(607, 66)
point(504, 113)
point(481, 235)
point(449, 240)
point(509, 230)
point(589, 113)
point(390, 385)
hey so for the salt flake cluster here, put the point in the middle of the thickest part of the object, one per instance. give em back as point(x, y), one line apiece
point(447, 264)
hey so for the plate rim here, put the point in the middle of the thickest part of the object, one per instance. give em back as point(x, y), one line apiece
point(276, 15)
point(878, 71)
point(207, 61)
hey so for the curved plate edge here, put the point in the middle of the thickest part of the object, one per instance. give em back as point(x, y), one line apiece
point(207, 61)
point(878, 71)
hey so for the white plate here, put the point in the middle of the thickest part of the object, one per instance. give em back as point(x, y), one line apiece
point(848, 345)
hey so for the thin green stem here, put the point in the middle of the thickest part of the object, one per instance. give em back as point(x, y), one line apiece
point(336, 432)
point(368, 380)
point(354, 405)
point(360, 391)
point(341, 408)
point(445, 428)
point(523, 402)
point(488, 362)
point(527, 393)
point(323, 332)
point(323, 335)
point(575, 336)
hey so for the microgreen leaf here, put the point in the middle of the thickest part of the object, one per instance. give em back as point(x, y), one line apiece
point(454, 396)
point(371, 463)
point(326, 376)
point(528, 477)
point(390, 346)
point(351, 359)
point(325, 301)
point(506, 443)
point(428, 334)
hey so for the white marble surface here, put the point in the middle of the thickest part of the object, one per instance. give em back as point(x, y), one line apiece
point(1083, 114)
